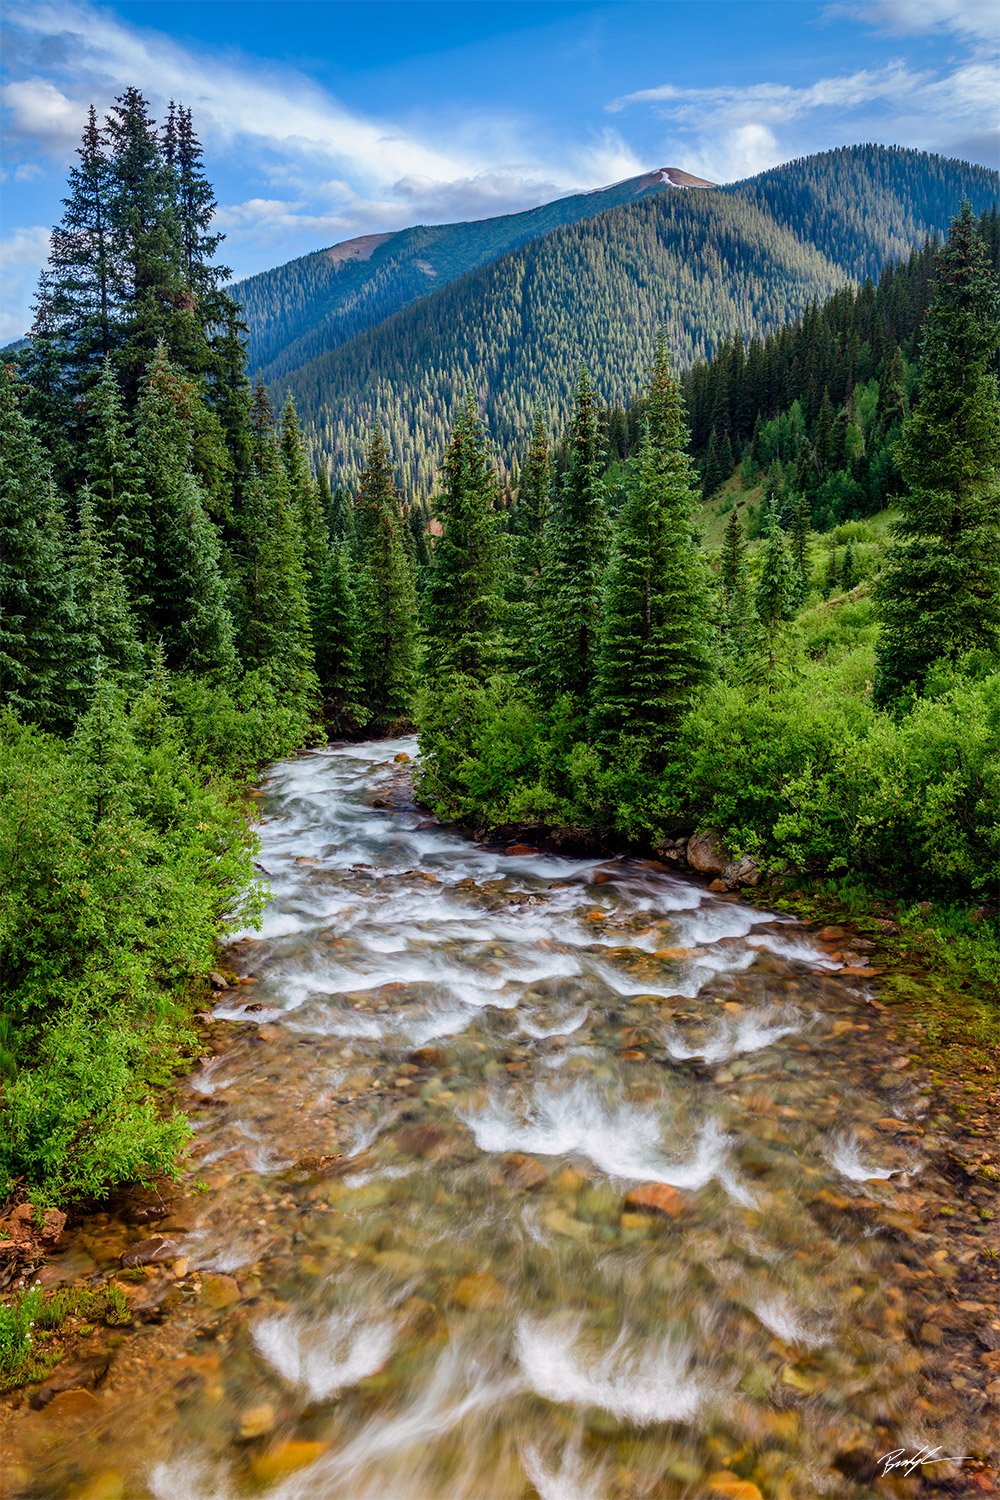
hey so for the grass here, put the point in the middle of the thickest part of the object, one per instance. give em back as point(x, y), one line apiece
point(30, 1323)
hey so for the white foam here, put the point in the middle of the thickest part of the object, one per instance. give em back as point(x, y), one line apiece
point(797, 950)
point(570, 1479)
point(777, 1315)
point(556, 1027)
point(844, 1155)
point(733, 1035)
point(325, 1357)
point(620, 1138)
point(639, 1382)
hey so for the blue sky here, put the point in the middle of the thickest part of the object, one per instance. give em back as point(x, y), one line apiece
point(325, 120)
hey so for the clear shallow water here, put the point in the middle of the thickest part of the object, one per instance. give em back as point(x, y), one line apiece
point(441, 1320)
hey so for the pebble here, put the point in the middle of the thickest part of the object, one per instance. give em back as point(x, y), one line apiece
point(656, 1198)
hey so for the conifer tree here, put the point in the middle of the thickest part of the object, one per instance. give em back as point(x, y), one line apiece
point(273, 630)
point(36, 618)
point(81, 263)
point(335, 635)
point(108, 642)
point(339, 510)
point(576, 538)
point(776, 587)
point(112, 469)
point(656, 639)
point(533, 498)
point(462, 597)
point(847, 571)
point(801, 528)
point(939, 594)
point(385, 592)
point(733, 557)
point(304, 496)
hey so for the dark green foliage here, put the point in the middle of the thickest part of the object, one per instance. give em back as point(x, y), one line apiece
point(940, 594)
point(303, 496)
point(107, 637)
point(656, 648)
point(533, 499)
point(385, 593)
point(462, 596)
point(575, 549)
point(316, 303)
point(336, 640)
point(36, 623)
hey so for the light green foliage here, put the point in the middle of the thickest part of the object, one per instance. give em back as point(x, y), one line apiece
point(118, 867)
point(31, 1320)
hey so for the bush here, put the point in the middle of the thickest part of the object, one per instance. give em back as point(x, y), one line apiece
point(119, 865)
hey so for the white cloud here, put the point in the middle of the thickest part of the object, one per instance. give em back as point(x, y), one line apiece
point(22, 255)
point(777, 103)
point(39, 112)
point(976, 19)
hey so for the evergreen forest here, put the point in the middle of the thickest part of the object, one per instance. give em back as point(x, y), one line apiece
point(727, 556)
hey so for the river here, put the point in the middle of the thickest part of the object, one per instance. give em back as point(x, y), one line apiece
point(527, 1176)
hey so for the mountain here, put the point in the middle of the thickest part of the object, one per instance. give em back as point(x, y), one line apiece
point(746, 258)
point(319, 301)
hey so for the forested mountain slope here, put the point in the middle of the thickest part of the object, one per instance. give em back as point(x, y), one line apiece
point(319, 301)
point(705, 265)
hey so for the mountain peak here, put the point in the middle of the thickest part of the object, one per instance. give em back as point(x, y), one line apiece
point(672, 177)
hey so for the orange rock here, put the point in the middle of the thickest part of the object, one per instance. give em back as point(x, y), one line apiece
point(523, 1171)
point(285, 1459)
point(858, 973)
point(677, 953)
point(477, 1290)
point(732, 1487)
point(596, 915)
point(656, 1198)
point(73, 1405)
point(521, 849)
point(219, 1291)
point(718, 885)
point(831, 934)
point(632, 1054)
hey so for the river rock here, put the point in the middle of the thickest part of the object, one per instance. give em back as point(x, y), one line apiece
point(745, 871)
point(429, 1141)
point(218, 1292)
point(218, 981)
point(731, 1487)
point(706, 852)
point(523, 1172)
point(149, 1252)
point(257, 1421)
point(477, 1290)
point(521, 849)
point(285, 1458)
point(656, 1198)
point(718, 885)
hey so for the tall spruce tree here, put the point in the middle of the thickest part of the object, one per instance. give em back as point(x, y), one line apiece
point(385, 592)
point(273, 629)
point(36, 611)
point(533, 499)
point(462, 596)
point(108, 641)
point(939, 595)
point(656, 649)
point(575, 541)
point(335, 635)
point(304, 496)
point(81, 262)
point(801, 556)
point(777, 588)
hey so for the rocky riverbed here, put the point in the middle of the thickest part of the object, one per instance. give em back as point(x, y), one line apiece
point(519, 1175)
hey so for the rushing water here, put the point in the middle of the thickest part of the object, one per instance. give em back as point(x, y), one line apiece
point(463, 1306)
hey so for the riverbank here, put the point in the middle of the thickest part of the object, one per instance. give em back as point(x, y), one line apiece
point(265, 1221)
